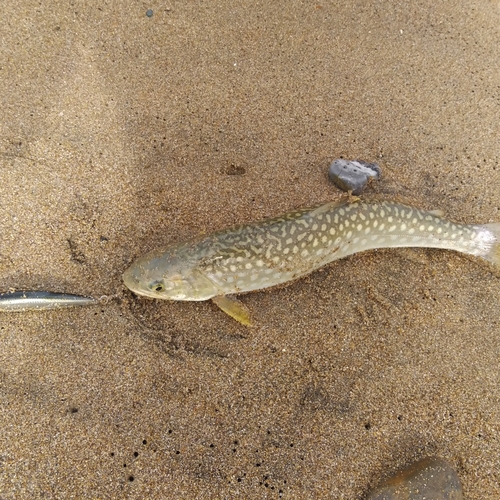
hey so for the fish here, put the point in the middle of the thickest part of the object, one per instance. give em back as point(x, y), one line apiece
point(279, 250)
point(36, 300)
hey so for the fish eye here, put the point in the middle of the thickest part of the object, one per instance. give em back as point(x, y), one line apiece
point(157, 286)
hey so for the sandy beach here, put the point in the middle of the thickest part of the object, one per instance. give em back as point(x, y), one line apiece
point(123, 132)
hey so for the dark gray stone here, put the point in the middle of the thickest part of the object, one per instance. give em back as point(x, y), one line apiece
point(353, 175)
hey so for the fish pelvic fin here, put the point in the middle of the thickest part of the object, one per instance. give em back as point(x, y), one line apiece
point(493, 254)
point(233, 308)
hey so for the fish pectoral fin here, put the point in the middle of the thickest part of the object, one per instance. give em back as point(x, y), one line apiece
point(437, 213)
point(234, 308)
point(327, 207)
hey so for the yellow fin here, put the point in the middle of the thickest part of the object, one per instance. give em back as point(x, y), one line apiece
point(437, 213)
point(493, 254)
point(233, 308)
point(326, 207)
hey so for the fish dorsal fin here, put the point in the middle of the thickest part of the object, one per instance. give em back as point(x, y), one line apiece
point(234, 308)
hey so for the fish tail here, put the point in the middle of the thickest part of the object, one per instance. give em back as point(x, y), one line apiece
point(492, 253)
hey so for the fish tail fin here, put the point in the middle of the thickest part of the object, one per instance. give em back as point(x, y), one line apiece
point(493, 252)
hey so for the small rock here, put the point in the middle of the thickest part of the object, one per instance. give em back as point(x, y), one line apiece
point(149, 13)
point(353, 175)
point(430, 478)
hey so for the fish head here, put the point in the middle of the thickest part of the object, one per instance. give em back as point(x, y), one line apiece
point(169, 275)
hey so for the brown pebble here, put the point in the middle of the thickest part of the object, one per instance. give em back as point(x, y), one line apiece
point(430, 478)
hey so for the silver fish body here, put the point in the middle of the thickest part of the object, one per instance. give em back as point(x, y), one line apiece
point(274, 251)
point(34, 300)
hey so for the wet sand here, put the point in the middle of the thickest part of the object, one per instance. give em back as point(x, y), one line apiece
point(122, 133)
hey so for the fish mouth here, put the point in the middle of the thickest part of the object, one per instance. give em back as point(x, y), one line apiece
point(132, 281)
